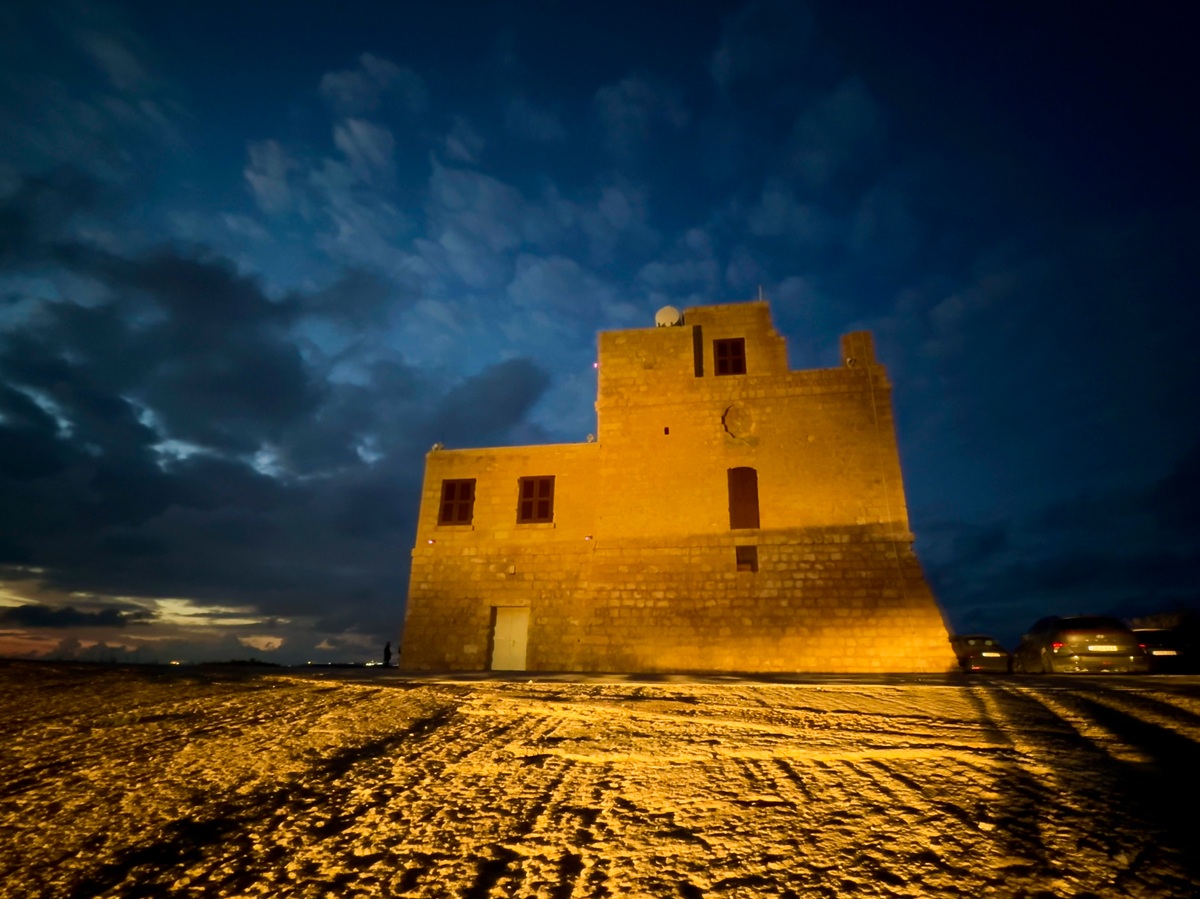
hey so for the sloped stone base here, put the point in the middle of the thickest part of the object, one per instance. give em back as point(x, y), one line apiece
point(841, 601)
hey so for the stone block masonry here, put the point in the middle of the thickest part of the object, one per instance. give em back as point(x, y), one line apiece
point(732, 515)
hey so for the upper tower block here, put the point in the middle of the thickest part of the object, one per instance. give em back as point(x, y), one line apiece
point(737, 338)
point(709, 341)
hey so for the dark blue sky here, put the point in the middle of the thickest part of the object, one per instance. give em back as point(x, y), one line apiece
point(256, 258)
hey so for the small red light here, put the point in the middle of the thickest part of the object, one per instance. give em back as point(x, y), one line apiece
point(1056, 646)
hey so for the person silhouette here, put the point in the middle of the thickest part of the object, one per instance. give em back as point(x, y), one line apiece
point(387, 654)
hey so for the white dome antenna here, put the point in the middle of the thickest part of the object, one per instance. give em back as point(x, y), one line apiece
point(668, 317)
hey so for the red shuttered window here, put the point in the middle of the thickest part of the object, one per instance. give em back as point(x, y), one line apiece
point(730, 356)
point(458, 501)
point(535, 499)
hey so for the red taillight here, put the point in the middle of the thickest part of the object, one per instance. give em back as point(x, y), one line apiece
point(1057, 645)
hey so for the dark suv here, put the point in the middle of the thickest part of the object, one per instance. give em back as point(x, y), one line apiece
point(1079, 643)
point(1168, 648)
point(979, 652)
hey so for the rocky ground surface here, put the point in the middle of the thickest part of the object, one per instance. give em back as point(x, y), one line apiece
point(222, 782)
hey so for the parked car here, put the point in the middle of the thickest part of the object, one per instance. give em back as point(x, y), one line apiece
point(979, 652)
point(1079, 643)
point(1167, 649)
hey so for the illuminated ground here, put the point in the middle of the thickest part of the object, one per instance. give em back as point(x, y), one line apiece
point(228, 783)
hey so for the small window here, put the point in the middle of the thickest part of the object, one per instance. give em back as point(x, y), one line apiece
point(730, 356)
point(535, 499)
point(747, 558)
point(458, 502)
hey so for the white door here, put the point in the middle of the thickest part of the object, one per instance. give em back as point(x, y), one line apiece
point(509, 632)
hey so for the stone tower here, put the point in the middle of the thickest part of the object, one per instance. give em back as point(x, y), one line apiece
point(731, 515)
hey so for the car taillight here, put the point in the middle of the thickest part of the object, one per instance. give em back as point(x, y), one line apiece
point(1057, 645)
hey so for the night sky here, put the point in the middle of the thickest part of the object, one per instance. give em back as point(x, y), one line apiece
point(255, 259)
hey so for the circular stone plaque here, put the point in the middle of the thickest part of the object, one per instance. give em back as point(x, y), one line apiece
point(738, 420)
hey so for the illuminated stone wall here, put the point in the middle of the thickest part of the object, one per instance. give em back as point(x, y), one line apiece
point(460, 572)
point(639, 570)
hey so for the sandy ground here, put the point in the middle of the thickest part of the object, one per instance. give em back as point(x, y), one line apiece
point(172, 782)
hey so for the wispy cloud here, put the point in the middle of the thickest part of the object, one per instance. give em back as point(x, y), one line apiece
point(371, 85)
point(463, 143)
point(748, 50)
point(369, 150)
point(267, 173)
point(631, 109)
point(525, 121)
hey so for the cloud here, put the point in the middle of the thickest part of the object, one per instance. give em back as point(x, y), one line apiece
point(463, 143)
point(33, 615)
point(1108, 552)
point(354, 224)
point(477, 203)
point(688, 268)
point(750, 49)
point(616, 225)
point(28, 440)
point(347, 201)
point(117, 60)
point(830, 191)
point(525, 121)
point(245, 228)
point(477, 225)
point(132, 431)
point(1056, 334)
point(267, 173)
point(170, 427)
point(344, 204)
point(365, 89)
point(808, 313)
point(45, 208)
point(701, 275)
point(780, 213)
point(745, 271)
point(480, 410)
point(130, 647)
point(630, 111)
point(558, 286)
point(841, 134)
point(358, 300)
point(79, 89)
point(475, 222)
point(199, 343)
point(369, 149)
point(885, 228)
